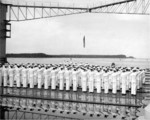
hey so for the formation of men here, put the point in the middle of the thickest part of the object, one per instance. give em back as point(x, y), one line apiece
point(73, 76)
point(66, 76)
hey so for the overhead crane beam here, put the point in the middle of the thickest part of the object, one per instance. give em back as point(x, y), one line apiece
point(21, 11)
point(111, 4)
point(52, 7)
point(25, 12)
point(140, 7)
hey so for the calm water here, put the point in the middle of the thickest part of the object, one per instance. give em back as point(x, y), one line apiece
point(143, 63)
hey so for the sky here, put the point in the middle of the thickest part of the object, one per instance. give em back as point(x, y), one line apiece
point(105, 34)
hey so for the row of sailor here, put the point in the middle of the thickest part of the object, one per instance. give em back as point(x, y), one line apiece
point(65, 76)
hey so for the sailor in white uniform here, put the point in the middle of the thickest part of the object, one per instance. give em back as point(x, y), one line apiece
point(40, 77)
point(31, 75)
point(128, 72)
point(5, 75)
point(53, 78)
point(1, 75)
point(114, 82)
point(139, 76)
point(98, 80)
point(75, 79)
point(17, 76)
point(50, 68)
point(91, 81)
point(123, 78)
point(11, 76)
point(46, 78)
point(143, 76)
point(79, 70)
point(84, 80)
point(67, 78)
point(21, 78)
point(24, 76)
point(61, 78)
point(94, 77)
point(110, 79)
point(35, 78)
point(133, 82)
point(106, 82)
point(118, 79)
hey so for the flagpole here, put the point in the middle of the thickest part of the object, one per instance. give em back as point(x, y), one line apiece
point(84, 42)
point(84, 45)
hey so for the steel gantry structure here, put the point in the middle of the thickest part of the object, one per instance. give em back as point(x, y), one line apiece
point(124, 7)
point(20, 11)
point(17, 10)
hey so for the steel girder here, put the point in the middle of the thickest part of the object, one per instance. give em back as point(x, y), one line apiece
point(25, 11)
point(22, 13)
point(140, 7)
point(29, 11)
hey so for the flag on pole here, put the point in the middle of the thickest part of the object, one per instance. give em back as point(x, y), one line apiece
point(84, 41)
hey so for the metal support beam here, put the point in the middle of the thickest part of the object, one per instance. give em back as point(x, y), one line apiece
point(3, 11)
point(2, 113)
point(112, 4)
point(140, 7)
point(23, 13)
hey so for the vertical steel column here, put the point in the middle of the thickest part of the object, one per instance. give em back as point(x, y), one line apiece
point(2, 113)
point(3, 10)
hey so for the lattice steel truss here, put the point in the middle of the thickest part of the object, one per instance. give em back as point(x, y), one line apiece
point(125, 7)
point(21, 13)
point(30, 11)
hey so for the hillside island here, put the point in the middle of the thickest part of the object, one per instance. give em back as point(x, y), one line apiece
point(43, 55)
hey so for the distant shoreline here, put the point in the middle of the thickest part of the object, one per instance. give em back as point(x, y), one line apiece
point(43, 55)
